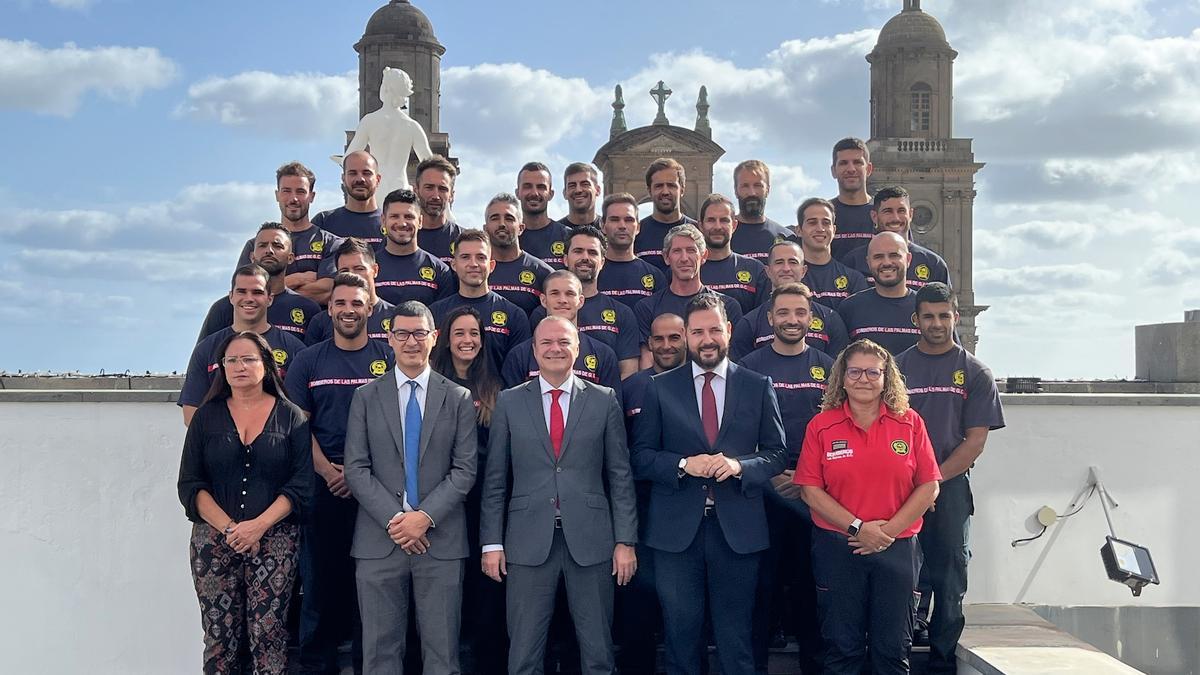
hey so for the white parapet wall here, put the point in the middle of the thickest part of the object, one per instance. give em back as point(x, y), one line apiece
point(94, 569)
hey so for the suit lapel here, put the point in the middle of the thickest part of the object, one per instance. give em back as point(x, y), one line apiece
point(533, 399)
point(435, 398)
point(692, 404)
point(389, 398)
point(579, 395)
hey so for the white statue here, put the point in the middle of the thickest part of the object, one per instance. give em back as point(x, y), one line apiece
point(391, 133)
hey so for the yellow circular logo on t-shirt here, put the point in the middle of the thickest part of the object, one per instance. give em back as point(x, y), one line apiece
point(608, 316)
point(900, 448)
point(960, 378)
point(526, 277)
point(317, 246)
point(922, 272)
point(499, 318)
point(743, 276)
point(841, 282)
point(280, 356)
point(558, 248)
point(648, 282)
point(426, 273)
point(818, 373)
point(590, 361)
point(378, 367)
point(297, 316)
point(818, 324)
point(387, 324)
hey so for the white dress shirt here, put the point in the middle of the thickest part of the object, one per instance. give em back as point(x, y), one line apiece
point(403, 387)
point(718, 387)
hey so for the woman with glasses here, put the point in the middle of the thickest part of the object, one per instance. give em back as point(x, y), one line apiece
point(868, 472)
point(460, 354)
point(245, 480)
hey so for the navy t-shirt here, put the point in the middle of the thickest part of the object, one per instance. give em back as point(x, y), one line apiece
point(854, 227)
point(833, 282)
point(952, 392)
point(799, 383)
point(606, 320)
point(203, 365)
point(378, 324)
point(566, 222)
point(926, 266)
point(629, 281)
point(754, 240)
point(312, 251)
point(289, 312)
point(596, 364)
point(649, 242)
point(417, 276)
point(826, 333)
point(666, 302)
point(633, 391)
point(504, 324)
point(322, 382)
point(548, 244)
point(346, 223)
point(741, 278)
point(520, 281)
point(439, 241)
point(886, 321)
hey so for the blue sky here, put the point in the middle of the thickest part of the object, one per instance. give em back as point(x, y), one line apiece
point(142, 137)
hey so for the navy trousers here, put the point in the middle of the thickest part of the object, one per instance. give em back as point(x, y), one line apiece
point(707, 568)
point(865, 601)
point(786, 597)
point(945, 543)
point(329, 611)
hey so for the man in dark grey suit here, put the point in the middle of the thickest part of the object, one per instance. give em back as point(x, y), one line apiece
point(563, 438)
point(410, 461)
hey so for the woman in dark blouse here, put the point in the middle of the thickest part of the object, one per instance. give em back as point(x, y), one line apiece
point(461, 355)
point(245, 480)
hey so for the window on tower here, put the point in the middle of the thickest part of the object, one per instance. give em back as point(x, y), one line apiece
point(921, 103)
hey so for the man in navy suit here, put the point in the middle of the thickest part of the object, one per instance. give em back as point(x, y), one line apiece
point(709, 438)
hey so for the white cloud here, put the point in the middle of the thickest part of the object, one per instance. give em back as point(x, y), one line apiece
point(55, 81)
point(305, 106)
point(73, 4)
point(1038, 280)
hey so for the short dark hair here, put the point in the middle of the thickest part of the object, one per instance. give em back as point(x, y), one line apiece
point(705, 300)
point(401, 196)
point(296, 169)
point(851, 143)
point(441, 164)
point(617, 198)
point(272, 225)
point(790, 289)
point(714, 199)
point(936, 292)
point(352, 245)
point(589, 231)
point(581, 167)
point(350, 279)
point(559, 274)
point(662, 164)
point(249, 270)
point(815, 201)
point(472, 234)
point(535, 166)
point(411, 308)
point(889, 192)
point(755, 165)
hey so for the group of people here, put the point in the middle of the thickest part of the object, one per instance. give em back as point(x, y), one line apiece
point(543, 445)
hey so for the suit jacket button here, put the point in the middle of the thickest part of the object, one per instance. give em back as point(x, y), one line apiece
point(558, 469)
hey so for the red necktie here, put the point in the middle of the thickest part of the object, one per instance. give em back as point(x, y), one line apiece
point(708, 410)
point(556, 422)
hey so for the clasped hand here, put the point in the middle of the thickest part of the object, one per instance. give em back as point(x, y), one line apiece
point(871, 538)
point(244, 537)
point(408, 530)
point(712, 466)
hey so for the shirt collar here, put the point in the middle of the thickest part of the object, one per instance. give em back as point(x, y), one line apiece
point(567, 384)
point(422, 379)
point(721, 370)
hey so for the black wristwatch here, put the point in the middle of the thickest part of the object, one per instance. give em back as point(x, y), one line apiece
point(854, 527)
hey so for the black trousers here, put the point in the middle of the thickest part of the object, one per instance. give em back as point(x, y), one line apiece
point(945, 543)
point(786, 597)
point(865, 601)
point(329, 612)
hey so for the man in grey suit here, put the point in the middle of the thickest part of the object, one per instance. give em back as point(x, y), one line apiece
point(563, 438)
point(410, 461)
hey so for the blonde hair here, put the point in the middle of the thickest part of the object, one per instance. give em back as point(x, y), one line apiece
point(895, 394)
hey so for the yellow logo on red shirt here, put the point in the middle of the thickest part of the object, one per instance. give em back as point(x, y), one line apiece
point(590, 361)
point(297, 316)
point(900, 448)
point(960, 378)
point(608, 316)
point(743, 276)
point(648, 282)
point(317, 246)
point(841, 282)
point(818, 373)
point(280, 356)
point(499, 318)
point(426, 273)
point(525, 277)
point(378, 367)
point(558, 248)
point(817, 324)
point(922, 272)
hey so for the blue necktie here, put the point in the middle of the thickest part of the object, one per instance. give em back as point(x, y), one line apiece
point(412, 445)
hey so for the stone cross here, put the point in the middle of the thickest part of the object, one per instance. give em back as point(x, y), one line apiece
point(660, 94)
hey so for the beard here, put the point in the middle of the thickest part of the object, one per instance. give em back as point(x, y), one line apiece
point(752, 207)
point(710, 361)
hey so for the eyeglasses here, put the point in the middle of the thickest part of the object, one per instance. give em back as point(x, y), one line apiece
point(231, 361)
point(401, 335)
point(857, 373)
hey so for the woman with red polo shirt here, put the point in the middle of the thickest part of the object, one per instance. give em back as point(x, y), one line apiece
point(868, 472)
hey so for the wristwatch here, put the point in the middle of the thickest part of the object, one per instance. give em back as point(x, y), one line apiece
point(854, 527)
point(682, 465)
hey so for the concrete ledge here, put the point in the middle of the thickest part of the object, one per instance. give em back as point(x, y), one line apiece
point(88, 396)
point(1014, 640)
point(1102, 399)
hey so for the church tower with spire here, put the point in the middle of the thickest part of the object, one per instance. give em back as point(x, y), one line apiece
point(912, 144)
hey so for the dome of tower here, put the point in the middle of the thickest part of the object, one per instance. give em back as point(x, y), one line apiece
point(399, 18)
point(911, 28)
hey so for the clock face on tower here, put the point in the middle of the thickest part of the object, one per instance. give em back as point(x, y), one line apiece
point(922, 221)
